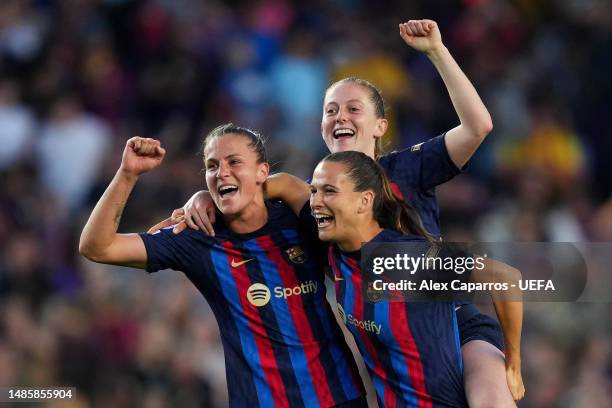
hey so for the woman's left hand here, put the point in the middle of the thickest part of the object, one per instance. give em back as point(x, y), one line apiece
point(422, 35)
point(515, 382)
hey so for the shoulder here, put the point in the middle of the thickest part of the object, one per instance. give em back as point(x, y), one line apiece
point(187, 236)
point(436, 142)
point(280, 213)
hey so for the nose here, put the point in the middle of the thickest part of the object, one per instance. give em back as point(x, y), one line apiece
point(341, 116)
point(315, 200)
point(222, 170)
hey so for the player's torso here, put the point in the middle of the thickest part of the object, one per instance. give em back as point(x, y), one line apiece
point(279, 333)
point(271, 281)
point(410, 349)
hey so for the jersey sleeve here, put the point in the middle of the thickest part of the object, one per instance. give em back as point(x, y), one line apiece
point(422, 166)
point(166, 250)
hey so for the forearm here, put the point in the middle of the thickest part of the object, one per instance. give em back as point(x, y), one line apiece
point(508, 305)
point(289, 189)
point(510, 315)
point(467, 103)
point(100, 231)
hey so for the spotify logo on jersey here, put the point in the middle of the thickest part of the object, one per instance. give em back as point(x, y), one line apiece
point(258, 294)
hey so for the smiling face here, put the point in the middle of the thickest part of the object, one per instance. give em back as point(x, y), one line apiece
point(350, 120)
point(338, 209)
point(233, 175)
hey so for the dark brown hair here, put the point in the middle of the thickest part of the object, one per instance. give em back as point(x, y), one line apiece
point(256, 141)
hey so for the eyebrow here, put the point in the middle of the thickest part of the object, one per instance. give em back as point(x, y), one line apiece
point(230, 156)
point(349, 101)
point(324, 186)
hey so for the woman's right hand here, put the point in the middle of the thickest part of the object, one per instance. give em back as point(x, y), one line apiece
point(199, 213)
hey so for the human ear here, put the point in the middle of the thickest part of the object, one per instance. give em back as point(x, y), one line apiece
point(381, 127)
point(366, 202)
point(262, 172)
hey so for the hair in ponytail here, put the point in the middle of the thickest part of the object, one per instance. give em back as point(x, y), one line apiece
point(389, 210)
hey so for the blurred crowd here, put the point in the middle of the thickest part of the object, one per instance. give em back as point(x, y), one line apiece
point(79, 77)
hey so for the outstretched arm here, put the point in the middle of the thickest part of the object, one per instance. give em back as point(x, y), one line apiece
point(475, 120)
point(100, 241)
point(509, 309)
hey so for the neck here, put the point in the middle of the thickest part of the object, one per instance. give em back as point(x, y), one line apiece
point(360, 234)
point(251, 218)
point(371, 152)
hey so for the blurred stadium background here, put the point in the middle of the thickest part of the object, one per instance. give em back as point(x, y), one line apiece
point(79, 77)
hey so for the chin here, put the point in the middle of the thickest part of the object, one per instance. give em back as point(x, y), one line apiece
point(229, 209)
point(326, 236)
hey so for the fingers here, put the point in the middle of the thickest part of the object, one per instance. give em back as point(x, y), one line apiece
point(191, 223)
point(206, 222)
point(201, 220)
point(178, 218)
point(180, 227)
point(177, 214)
point(417, 28)
point(163, 224)
point(212, 213)
point(146, 146)
point(404, 33)
point(203, 215)
point(519, 394)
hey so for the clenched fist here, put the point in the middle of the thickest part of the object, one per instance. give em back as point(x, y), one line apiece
point(141, 155)
point(422, 35)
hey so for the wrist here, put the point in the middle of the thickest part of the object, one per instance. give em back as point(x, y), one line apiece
point(437, 52)
point(513, 363)
point(127, 175)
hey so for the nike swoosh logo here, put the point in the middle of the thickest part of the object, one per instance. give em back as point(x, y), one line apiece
point(337, 279)
point(237, 264)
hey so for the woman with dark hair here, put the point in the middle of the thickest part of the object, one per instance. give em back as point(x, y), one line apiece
point(261, 278)
point(412, 349)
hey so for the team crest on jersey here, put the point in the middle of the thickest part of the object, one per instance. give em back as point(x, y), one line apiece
point(416, 147)
point(374, 295)
point(296, 254)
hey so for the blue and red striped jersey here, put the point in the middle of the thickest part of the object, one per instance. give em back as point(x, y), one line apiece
point(266, 289)
point(415, 172)
point(411, 349)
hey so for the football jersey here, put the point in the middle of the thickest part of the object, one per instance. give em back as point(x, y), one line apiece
point(411, 349)
point(266, 289)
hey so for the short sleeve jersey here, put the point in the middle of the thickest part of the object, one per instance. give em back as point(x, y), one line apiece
point(415, 172)
point(266, 289)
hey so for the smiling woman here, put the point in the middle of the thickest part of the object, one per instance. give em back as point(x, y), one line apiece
point(414, 342)
point(234, 177)
point(261, 277)
point(339, 200)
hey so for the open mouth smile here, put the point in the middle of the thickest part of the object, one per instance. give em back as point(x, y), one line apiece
point(343, 133)
point(323, 220)
point(227, 191)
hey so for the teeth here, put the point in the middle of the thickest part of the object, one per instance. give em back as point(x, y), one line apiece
point(322, 219)
point(227, 189)
point(344, 132)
